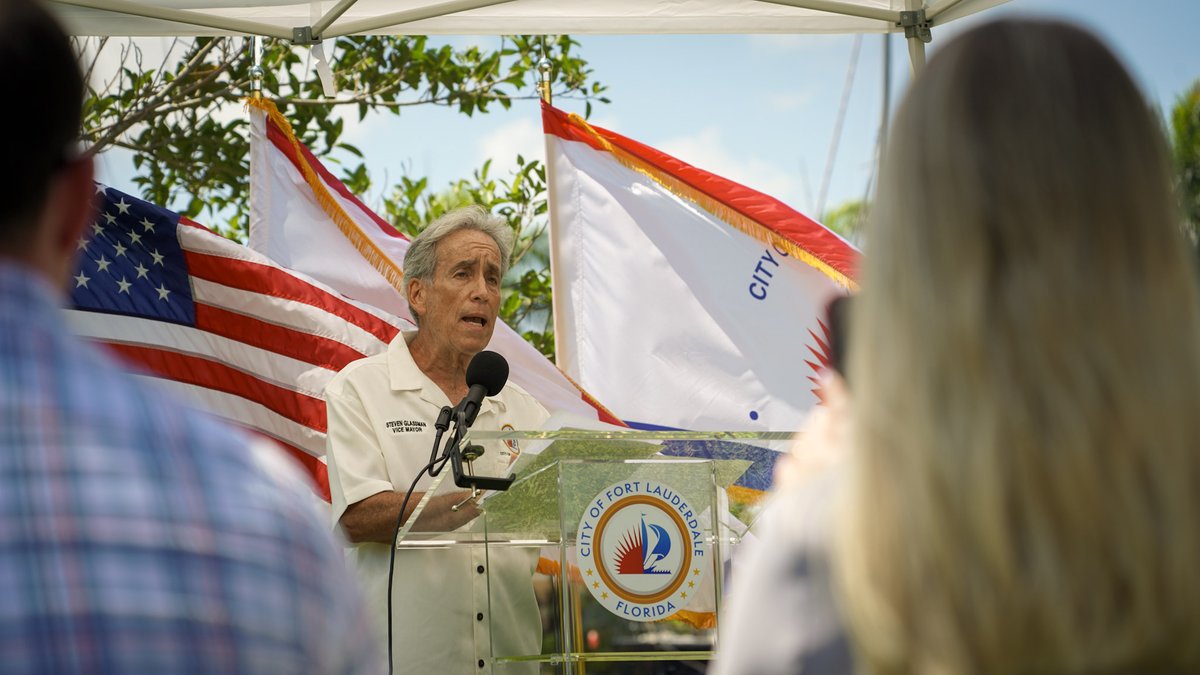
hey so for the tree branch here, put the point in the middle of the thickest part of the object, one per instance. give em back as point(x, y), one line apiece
point(151, 105)
point(437, 100)
point(81, 46)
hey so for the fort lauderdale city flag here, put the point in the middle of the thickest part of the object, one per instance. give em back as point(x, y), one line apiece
point(305, 218)
point(682, 299)
point(219, 323)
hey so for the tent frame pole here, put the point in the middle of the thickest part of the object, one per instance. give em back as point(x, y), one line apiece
point(917, 33)
point(332, 15)
point(937, 8)
point(238, 26)
point(411, 15)
point(834, 7)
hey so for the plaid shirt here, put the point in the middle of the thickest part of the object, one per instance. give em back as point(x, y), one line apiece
point(138, 536)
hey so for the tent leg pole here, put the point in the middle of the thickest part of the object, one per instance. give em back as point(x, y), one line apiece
point(916, 55)
point(917, 33)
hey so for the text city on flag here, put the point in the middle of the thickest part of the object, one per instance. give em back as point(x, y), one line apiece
point(683, 299)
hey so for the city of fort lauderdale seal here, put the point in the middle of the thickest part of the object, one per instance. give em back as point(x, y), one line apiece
point(641, 550)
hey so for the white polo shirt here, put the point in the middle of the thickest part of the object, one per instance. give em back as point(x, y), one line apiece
point(381, 412)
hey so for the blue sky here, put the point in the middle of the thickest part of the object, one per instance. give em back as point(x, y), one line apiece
point(757, 109)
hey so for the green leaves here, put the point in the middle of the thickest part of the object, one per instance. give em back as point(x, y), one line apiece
point(1185, 137)
point(848, 219)
point(520, 198)
point(181, 114)
point(184, 122)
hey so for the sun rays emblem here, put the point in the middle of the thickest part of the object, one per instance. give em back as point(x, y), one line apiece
point(632, 556)
point(643, 549)
point(822, 356)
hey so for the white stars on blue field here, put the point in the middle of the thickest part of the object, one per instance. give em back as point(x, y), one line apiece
point(132, 263)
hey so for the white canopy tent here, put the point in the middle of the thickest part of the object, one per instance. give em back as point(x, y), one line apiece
point(290, 20)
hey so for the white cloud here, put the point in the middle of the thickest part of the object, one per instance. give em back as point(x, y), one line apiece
point(705, 150)
point(521, 136)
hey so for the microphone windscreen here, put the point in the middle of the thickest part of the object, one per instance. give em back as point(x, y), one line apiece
point(488, 370)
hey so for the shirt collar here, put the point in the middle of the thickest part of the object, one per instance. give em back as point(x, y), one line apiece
point(404, 375)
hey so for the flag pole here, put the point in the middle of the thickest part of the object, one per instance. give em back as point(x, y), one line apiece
point(544, 83)
point(256, 71)
point(551, 199)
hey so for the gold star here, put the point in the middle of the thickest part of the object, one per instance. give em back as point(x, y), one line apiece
point(604, 596)
point(695, 572)
point(595, 584)
point(691, 584)
point(683, 594)
point(589, 573)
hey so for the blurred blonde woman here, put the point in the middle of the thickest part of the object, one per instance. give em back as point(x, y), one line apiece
point(1024, 495)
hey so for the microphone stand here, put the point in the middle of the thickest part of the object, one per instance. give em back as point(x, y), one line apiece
point(460, 450)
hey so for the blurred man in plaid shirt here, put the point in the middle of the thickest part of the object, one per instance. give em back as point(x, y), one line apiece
point(136, 536)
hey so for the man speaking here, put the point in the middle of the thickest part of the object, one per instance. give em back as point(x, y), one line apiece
point(381, 429)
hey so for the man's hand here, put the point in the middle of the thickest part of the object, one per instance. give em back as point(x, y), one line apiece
point(374, 518)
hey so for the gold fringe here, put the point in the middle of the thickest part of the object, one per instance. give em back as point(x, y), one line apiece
point(746, 225)
point(744, 495)
point(363, 243)
point(551, 568)
point(588, 398)
point(548, 567)
point(698, 620)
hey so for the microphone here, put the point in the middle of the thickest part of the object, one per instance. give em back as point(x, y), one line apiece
point(487, 374)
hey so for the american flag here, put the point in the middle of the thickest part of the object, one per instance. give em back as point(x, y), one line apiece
point(218, 323)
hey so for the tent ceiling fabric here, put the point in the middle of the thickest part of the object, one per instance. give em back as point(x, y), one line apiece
point(278, 18)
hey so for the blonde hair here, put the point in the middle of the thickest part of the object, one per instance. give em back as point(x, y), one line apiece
point(1026, 367)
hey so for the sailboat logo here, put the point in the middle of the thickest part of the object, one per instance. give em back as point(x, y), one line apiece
point(634, 556)
point(642, 549)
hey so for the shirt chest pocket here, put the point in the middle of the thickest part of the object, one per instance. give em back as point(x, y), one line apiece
point(406, 444)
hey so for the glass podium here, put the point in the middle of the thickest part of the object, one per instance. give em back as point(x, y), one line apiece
point(608, 552)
